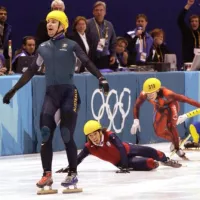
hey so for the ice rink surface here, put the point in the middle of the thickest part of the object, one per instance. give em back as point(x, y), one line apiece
point(19, 174)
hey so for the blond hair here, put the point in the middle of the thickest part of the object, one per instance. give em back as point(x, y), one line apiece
point(58, 2)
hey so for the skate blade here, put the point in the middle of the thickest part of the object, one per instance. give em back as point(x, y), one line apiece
point(43, 192)
point(184, 158)
point(75, 190)
point(191, 149)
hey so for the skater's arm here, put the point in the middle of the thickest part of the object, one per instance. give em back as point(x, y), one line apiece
point(193, 113)
point(83, 154)
point(87, 62)
point(140, 100)
point(24, 79)
point(182, 98)
point(185, 116)
point(181, 20)
point(119, 145)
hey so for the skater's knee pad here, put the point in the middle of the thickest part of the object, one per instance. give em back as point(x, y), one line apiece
point(194, 133)
point(46, 133)
point(65, 133)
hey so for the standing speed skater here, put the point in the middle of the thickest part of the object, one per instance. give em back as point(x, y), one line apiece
point(59, 57)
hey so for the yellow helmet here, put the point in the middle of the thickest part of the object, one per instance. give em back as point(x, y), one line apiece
point(60, 16)
point(91, 126)
point(151, 85)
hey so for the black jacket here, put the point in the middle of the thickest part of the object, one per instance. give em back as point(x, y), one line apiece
point(76, 37)
point(188, 37)
point(157, 54)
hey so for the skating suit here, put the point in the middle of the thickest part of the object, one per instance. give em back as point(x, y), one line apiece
point(166, 108)
point(59, 57)
point(122, 154)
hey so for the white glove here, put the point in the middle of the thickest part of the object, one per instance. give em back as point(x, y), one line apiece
point(181, 119)
point(135, 126)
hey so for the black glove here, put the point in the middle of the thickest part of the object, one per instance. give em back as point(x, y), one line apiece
point(63, 170)
point(103, 84)
point(8, 96)
point(123, 170)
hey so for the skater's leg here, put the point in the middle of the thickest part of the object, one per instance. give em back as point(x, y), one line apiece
point(194, 133)
point(69, 112)
point(142, 164)
point(172, 119)
point(47, 127)
point(147, 152)
point(160, 125)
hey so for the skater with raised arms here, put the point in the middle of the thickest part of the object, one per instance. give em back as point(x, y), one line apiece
point(59, 57)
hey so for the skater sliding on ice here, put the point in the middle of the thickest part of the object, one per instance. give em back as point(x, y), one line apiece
point(61, 93)
point(194, 129)
point(107, 146)
point(166, 108)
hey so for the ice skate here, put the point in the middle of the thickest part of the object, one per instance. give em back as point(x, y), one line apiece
point(71, 180)
point(181, 145)
point(46, 181)
point(192, 146)
point(181, 154)
point(172, 163)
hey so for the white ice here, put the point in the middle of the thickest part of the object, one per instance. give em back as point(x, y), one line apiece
point(19, 174)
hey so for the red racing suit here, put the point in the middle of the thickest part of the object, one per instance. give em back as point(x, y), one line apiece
point(166, 108)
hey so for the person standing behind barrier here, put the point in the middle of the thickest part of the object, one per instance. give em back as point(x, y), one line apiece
point(159, 48)
point(102, 35)
point(166, 108)
point(139, 41)
point(121, 53)
point(3, 68)
point(28, 49)
point(5, 34)
point(190, 34)
point(79, 35)
point(58, 55)
point(41, 32)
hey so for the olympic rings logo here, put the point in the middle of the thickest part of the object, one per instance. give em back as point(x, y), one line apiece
point(111, 114)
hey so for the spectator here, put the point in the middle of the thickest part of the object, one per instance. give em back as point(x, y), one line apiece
point(3, 68)
point(139, 41)
point(5, 33)
point(102, 36)
point(41, 33)
point(159, 48)
point(190, 34)
point(78, 35)
point(121, 53)
point(28, 49)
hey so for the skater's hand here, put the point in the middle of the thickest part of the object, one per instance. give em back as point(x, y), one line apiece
point(103, 84)
point(63, 170)
point(181, 119)
point(8, 96)
point(135, 126)
point(123, 170)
